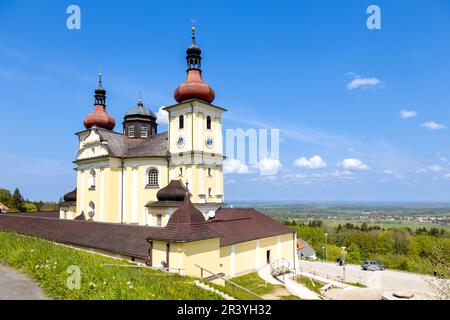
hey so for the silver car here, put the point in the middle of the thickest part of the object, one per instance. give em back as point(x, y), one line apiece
point(372, 266)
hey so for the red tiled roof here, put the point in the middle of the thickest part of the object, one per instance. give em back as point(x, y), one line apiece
point(242, 225)
point(45, 214)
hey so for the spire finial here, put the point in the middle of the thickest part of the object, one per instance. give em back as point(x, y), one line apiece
point(194, 29)
point(140, 101)
point(100, 77)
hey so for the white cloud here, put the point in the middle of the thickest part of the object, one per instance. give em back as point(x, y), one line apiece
point(388, 172)
point(431, 125)
point(447, 175)
point(353, 164)
point(315, 162)
point(359, 82)
point(269, 167)
point(421, 171)
point(235, 166)
point(405, 114)
point(230, 181)
point(435, 168)
point(162, 116)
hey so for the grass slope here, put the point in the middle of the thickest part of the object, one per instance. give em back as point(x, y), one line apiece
point(47, 263)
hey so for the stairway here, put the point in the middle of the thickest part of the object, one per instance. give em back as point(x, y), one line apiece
point(218, 292)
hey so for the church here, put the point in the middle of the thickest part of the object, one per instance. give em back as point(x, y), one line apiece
point(158, 197)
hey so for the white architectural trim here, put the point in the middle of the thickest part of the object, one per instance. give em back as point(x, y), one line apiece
point(279, 256)
point(258, 257)
point(233, 261)
point(125, 203)
point(201, 187)
point(102, 191)
point(119, 196)
point(134, 202)
point(81, 173)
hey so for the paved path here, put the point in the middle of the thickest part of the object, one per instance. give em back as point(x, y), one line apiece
point(17, 286)
point(378, 282)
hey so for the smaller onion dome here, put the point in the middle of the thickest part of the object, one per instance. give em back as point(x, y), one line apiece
point(186, 214)
point(71, 196)
point(174, 191)
point(140, 110)
point(100, 117)
point(194, 87)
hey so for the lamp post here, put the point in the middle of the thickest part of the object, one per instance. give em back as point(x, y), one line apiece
point(343, 264)
point(326, 246)
point(323, 253)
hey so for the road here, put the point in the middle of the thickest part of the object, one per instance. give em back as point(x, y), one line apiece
point(17, 286)
point(377, 282)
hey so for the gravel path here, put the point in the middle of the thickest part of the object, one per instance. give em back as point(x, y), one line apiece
point(18, 286)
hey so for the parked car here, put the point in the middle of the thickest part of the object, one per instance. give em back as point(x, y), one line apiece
point(372, 266)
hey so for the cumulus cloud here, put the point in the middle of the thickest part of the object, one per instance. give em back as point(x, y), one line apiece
point(315, 162)
point(269, 167)
point(431, 125)
point(353, 164)
point(435, 168)
point(362, 82)
point(162, 116)
point(235, 166)
point(408, 114)
point(447, 175)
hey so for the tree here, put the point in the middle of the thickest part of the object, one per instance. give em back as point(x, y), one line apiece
point(440, 283)
point(18, 200)
point(6, 198)
point(353, 254)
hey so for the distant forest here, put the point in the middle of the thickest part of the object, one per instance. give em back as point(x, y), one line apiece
point(17, 203)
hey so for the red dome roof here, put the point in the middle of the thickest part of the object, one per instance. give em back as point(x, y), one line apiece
point(99, 118)
point(194, 88)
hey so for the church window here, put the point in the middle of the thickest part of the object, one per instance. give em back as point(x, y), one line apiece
point(208, 123)
point(159, 220)
point(131, 131)
point(144, 132)
point(92, 179)
point(209, 172)
point(181, 172)
point(181, 122)
point(152, 178)
point(210, 190)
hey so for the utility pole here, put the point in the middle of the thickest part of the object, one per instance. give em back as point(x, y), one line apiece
point(326, 246)
point(343, 265)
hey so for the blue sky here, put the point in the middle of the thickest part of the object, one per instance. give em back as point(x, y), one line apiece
point(310, 68)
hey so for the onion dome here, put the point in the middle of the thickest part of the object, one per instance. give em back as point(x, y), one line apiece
point(174, 191)
point(194, 87)
point(100, 117)
point(186, 214)
point(71, 196)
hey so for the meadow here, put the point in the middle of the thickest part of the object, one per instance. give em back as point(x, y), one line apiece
point(48, 264)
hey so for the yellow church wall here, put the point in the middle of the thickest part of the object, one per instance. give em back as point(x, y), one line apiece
point(205, 253)
point(246, 257)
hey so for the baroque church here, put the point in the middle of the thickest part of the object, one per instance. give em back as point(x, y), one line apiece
point(119, 175)
point(158, 198)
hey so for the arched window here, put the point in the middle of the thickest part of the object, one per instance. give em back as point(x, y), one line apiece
point(152, 176)
point(92, 180)
point(181, 120)
point(208, 122)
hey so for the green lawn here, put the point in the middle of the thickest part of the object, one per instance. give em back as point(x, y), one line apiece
point(250, 282)
point(312, 285)
point(47, 263)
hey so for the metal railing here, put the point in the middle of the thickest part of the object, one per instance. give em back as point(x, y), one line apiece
point(235, 285)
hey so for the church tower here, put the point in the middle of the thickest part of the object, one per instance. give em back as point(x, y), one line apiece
point(140, 122)
point(195, 134)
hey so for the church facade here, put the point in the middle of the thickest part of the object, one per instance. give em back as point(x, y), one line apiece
point(119, 174)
